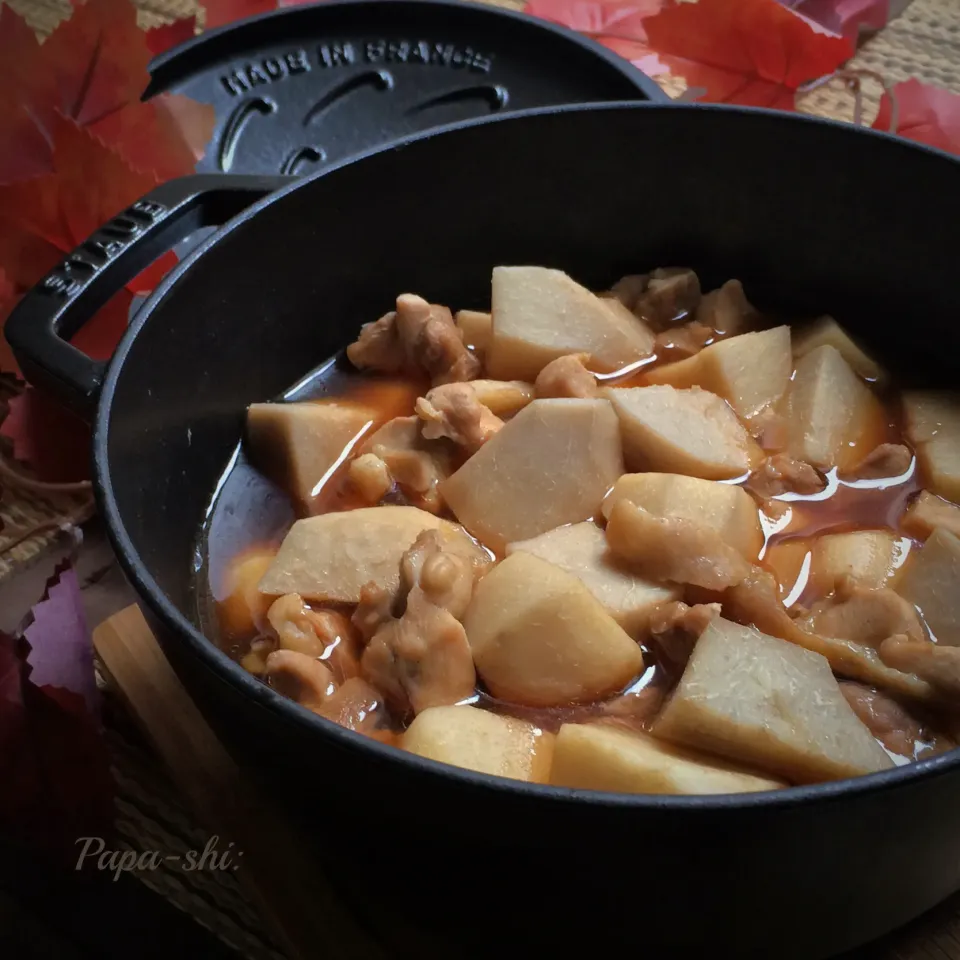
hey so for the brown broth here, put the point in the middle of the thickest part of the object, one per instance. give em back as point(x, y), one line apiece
point(250, 512)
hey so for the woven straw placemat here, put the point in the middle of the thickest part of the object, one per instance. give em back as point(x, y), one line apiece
point(922, 42)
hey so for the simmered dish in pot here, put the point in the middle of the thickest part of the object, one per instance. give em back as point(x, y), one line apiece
point(642, 540)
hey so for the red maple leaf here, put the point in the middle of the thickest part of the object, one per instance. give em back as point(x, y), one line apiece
point(54, 765)
point(925, 113)
point(752, 52)
point(48, 437)
point(45, 217)
point(220, 12)
point(8, 296)
point(844, 17)
point(161, 39)
point(82, 147)
point(618, 26)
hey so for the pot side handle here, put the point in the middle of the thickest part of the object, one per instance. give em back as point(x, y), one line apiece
point(69, 296)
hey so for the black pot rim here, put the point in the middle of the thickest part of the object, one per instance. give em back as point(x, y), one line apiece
point(227, 670)
point(222, 38)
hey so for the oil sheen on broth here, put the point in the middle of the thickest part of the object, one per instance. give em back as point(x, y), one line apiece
point(251, 513)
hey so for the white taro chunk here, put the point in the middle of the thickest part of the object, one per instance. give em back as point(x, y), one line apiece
point(930, 579)
point(539, 637)
point(762, 701)
point(750, 372)
point(306, 443)
point(829, 408)
point(722, 507)
point(333, 556)
point(551, 464)
point(476, 329)
point(581, 549)
point(933, 427)
point(600, 757)
point(928, 512)
point(691, 431)
point(475, 739)
point(826, 330)
point(541, 314)
point(868, 558)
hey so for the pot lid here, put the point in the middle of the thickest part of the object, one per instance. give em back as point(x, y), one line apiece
point(308, 86)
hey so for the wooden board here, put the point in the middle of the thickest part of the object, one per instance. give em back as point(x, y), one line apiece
point(293, 896)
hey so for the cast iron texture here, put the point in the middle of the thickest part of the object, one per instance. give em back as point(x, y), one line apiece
point(800, 210)
point(303, 88)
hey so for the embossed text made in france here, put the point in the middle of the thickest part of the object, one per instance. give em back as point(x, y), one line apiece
point(268, 70)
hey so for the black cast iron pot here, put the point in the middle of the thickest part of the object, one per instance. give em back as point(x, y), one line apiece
point(813, 217)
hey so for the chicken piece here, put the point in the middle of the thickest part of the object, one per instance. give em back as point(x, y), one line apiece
point(890, 723)
point(302, 678)
point(630, 288)
point(864, 616)
point(371, 477)
point(503, 397)
point(243, 608)
point(684, 341)
point(769, 429)
point(445, 576)
point(453, 411)
point(672, 549)
point(416, 465)
point(567, 377)
point(774, 510)
point(417, 336)
point(675, 628)
point(727, 309)
point(432, 341)
point(672, 295)
point(358, 706)
point(255, 659)
point(476, 329)
point(376, 607)
point(322, 634)
point(634, 711)
point(781, 473)
point(936, 663)
point(928, 512)
point(423, 659)
point(378, 347)
point(755, 601)
point(887, 460)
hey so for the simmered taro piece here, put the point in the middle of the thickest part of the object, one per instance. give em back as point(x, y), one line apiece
point(642, 539)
